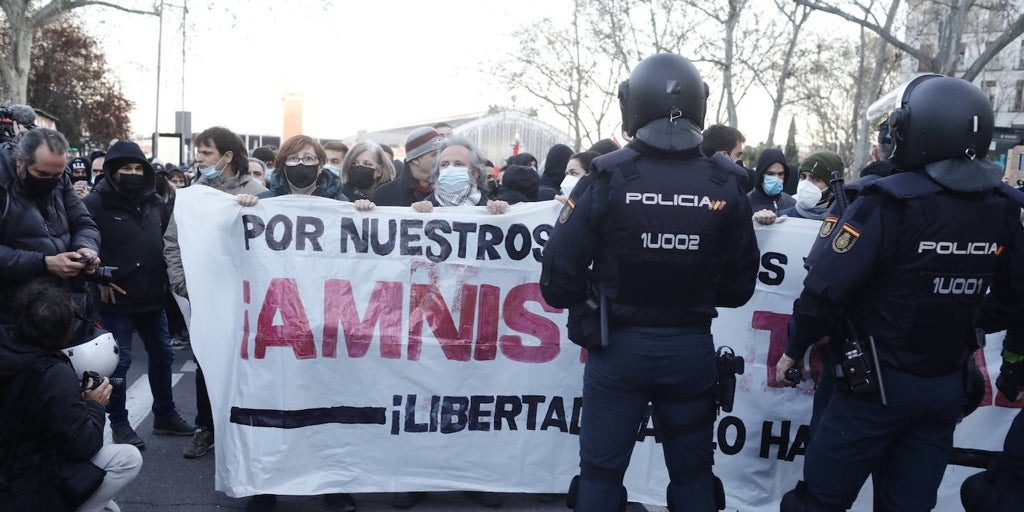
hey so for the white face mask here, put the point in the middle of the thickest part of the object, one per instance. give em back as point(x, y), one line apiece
point(568, 183)
point(807, 194)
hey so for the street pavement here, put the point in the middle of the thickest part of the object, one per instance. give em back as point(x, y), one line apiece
point(169, 482)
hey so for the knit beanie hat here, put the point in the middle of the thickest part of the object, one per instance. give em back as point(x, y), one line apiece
point(822, 164)
point(421, 141)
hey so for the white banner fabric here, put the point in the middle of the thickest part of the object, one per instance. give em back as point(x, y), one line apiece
point(387, 351)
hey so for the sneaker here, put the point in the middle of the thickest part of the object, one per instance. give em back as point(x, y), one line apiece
point(202, 441)
point(172, 425)
point(340, 502)
point(260, 502)
point(111, 507)
point(179, 344)
point(406, 499)
point(125, 435)
point(486, 499)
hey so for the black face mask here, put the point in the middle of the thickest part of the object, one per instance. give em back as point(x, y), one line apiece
point(76, 179)
point(301, 176)
point(130, 184)
point(39, 186)
point(360, 177)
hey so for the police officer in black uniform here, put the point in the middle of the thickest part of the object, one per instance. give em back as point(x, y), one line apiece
point(906, 269)
point(670, 237)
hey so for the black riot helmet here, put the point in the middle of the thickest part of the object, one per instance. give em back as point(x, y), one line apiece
point(944, 125)
point(666, 88)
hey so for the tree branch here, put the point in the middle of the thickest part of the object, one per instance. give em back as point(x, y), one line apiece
point(884, 34)
point(1007, 37)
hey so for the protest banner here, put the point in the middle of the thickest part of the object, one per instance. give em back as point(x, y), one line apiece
point(389, 350)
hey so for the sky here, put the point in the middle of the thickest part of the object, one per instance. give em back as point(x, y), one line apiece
point(360, 65)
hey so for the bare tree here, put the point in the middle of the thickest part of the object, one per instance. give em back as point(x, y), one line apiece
point(24, 18)
point(560, 69)
point(775, 83)
point(727, 14)
point(942, 23)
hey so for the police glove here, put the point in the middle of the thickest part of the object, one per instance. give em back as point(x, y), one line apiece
point(1011, 376)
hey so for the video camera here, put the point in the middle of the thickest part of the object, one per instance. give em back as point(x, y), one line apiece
point(12, 116)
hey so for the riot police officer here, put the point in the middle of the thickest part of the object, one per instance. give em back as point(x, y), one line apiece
point(905, 270)
point(669, 235)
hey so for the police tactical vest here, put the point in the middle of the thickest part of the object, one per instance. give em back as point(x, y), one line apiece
point(921, 306)
point(662, 236)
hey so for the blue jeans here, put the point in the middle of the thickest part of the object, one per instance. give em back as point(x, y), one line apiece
point(675, 370)
point(911, 438)
point(152, 328)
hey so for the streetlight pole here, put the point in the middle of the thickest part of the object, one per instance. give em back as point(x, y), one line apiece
point(159, 55)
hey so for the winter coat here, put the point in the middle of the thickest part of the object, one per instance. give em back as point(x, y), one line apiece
point(27, 235)
point(328, 185)
point(132, 232)
point(400, 191)
point(234, 185)
point(47, 426)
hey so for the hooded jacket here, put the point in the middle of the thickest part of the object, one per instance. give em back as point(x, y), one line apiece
point(519, 185)
point(328, 185)
point(757, 198)
point(132, 229)
point(33, 228)
point(45, 424)
point(554, 171)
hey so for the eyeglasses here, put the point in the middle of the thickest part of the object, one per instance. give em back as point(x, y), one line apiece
point(367, 163)
point(304, 159)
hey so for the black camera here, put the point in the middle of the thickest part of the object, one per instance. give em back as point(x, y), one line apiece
point(794, 375)
point(729, 365)
point(97, 380)
point(102, 275)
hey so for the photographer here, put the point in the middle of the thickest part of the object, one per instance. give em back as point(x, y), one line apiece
point(44, 228)
point(51, 433)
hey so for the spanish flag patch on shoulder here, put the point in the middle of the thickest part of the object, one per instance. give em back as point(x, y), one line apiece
point(827, 227)
point(845, 239)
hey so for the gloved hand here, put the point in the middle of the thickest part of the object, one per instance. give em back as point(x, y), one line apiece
point(1011, 379)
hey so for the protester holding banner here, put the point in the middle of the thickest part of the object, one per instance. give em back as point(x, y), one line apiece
point(224, 165)
point(300, 164)
point(897, 282)
point(365, 168)
point(413, 183)
point(676, 241)
point(459, 177)
point(814, 198)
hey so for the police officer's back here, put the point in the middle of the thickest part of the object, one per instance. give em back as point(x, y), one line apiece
point(669, 236)
point(906, 268)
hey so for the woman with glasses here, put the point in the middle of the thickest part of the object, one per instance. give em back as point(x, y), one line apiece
point(299, 168)
point(365, 167)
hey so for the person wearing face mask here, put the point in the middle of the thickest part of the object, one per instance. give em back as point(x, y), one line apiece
point(223, 165)
point(300, 164)
point(131, 218)
point(577, 168)
point(78, 169)
point(767, 196)
point(44, 227)
point(554, 171)
point(365, 168)
point(336, 152)
point(459, 179)
point(300, 161)
point(813, 196)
